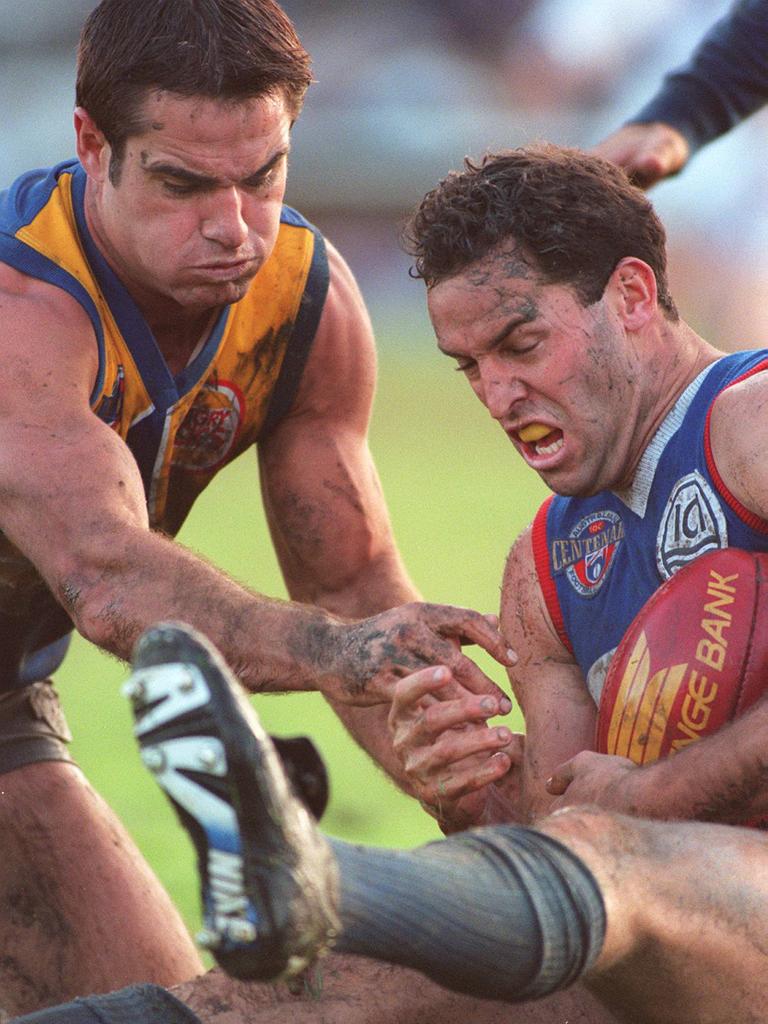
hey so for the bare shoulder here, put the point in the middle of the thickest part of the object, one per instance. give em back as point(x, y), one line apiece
point(739, 435)
point(39, 295)
point(740, 399)
point(340, 375)
point(61, 468)
point(44, 331)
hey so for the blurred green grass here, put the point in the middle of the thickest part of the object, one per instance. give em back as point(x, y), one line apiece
point(458, 495)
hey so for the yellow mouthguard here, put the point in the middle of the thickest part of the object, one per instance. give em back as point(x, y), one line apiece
point(534, 432)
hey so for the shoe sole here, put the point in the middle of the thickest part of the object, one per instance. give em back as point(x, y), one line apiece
point(265, 911)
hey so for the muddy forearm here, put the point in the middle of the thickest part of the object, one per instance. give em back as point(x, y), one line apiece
point(270, 644)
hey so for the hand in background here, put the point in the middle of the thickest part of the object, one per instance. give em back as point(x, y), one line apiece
point(647, 152)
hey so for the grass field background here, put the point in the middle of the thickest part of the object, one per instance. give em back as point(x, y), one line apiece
point(458, 494)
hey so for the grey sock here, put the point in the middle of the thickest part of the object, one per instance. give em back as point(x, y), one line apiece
point(505, 913)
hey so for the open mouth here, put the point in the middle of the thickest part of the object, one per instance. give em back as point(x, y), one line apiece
point(540, 440)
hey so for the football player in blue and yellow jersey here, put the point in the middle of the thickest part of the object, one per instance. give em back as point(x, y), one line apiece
point(162, 311)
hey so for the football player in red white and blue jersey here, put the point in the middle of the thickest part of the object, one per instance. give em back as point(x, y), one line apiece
point(547, 285)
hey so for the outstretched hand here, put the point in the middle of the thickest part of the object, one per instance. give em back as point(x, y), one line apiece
point(647, 152)
point(374, 654)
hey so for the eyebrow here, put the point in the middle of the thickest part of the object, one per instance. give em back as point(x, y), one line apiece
point(512, 324)
point(206, 181)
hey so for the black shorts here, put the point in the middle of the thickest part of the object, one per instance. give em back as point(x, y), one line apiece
point(32, 727)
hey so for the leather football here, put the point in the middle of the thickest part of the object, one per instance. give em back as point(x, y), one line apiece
point(694, 657)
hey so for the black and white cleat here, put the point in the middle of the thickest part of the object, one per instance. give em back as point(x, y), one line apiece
point(269, 882)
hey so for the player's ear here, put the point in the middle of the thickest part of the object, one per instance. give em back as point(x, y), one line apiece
point(93, 150)
point(632, 289)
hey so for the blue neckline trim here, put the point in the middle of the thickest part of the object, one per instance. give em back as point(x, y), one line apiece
point(145, 437)
point(164, 389)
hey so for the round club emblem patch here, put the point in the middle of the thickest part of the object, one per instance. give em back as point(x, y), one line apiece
point(692, 523)
point(211, 427)
point(593, 542)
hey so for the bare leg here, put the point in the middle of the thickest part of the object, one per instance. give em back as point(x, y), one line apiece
point(80, 910)
point(687, 905)
point(352, 990)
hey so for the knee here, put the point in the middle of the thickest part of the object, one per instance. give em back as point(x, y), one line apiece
point(592, 832)
point(636, 865)
point(577, 820)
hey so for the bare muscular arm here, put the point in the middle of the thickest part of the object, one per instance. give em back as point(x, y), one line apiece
point(325, 506)
point(559, 712)
point(322, 496)
point(73, 502)
point(721, 778)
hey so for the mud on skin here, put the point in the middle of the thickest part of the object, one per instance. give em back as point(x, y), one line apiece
point(370, 649)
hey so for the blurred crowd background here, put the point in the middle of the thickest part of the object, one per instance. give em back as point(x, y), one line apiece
point(405, 89)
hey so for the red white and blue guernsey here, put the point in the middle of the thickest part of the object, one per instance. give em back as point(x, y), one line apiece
point(181, 429)
point(599, 559)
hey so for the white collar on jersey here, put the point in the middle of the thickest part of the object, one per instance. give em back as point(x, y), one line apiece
point(635, 497)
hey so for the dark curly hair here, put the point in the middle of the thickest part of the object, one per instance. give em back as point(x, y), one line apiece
point(220, 49)
point(574, 216)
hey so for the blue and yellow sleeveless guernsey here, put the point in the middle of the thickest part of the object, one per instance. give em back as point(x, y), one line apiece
point(599, 559)
point(180, 429)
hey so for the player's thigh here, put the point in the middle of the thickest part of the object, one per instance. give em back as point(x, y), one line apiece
point(81, 910)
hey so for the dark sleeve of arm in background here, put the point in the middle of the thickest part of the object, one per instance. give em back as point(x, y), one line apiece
point(724, 81)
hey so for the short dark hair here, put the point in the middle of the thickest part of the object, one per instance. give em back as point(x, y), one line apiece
point(221, 49)
point(574, 217)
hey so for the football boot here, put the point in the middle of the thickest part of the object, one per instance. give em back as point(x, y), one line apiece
point(269, 882)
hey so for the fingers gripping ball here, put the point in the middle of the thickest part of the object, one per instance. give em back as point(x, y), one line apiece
point(694, 657)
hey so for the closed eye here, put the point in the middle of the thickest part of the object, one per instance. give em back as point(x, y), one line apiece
point(522, 342)
point(524, 346)
point(174, 188)
point(467, 368)
point(266, 181)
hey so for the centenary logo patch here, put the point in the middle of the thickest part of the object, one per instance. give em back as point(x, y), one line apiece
point(211, 427)
point(586, 555)
point(692, 523)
